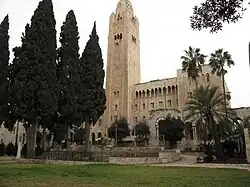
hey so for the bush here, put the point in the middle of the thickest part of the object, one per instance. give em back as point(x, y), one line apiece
point(10, 149)
point(2, 149)
point(24, 151)
point(38, 151)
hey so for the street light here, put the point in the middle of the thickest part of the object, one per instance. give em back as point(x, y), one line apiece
point(116, 135)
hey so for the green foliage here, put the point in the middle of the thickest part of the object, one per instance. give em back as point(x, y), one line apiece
point(4, 68)
point(141, 131)
point(2, 149)
point(218, 60)
point(212, 14)
point(67, 71)
point(209, 151)
point(10, 149)
point(121, 127)
point(172, 130)
point(205, 103)
point(80, 135)
point(92, 98)
point(33, 72)
point(192, 63)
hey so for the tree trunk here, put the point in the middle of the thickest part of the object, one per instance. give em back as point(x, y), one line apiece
point(224, 93)
point(28, 140)
point(196, 84)
point(87, 135)
point(19, 149)
point(34, 129)
point(68, 136)
point(219, 153)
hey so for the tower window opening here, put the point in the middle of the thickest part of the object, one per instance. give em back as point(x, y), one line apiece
point(121, 36)
point(118, 36)
point(133, 38)
point(115, 37)
point(116, 107)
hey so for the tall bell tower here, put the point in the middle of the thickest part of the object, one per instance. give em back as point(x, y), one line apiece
point(123, 62)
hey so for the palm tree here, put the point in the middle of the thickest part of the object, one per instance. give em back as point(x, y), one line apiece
point(205, 105)
point(218, 60)
point(192, 63)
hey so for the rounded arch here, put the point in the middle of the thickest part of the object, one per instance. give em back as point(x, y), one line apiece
point(156, 93)
point(143, 93)
point(169, 89)
point(152, 92)
point(148, 93)
point(164, 90)
point(139, 94)
point(136, 94)
point(120, 35)
point(159, 90)
point(93, 137)
point(173, 89)
point(99, 135)
point(176, 88)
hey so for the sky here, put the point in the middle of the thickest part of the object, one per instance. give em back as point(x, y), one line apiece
point(165, 33)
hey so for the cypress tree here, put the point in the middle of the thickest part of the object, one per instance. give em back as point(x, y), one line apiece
point(4, 67)
point(67, 71)
point(34, 92)
point(92, 98)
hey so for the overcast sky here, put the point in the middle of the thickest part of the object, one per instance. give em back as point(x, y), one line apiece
point(164, 33)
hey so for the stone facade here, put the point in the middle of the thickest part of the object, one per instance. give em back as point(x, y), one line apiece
point(126, 95)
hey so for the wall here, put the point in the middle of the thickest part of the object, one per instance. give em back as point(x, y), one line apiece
point(247, 140)
point(164, 157)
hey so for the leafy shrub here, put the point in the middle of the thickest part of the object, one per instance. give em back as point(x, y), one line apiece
point(38, 151)
point(10, 149)
point(2, 149)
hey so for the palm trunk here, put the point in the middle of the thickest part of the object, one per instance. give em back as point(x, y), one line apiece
point(219, 153)
point(196, 84)
point(224, 93)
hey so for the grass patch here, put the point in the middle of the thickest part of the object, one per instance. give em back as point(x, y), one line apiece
point(28, 175)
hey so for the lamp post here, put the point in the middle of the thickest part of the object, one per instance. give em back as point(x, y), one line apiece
point(116, 135)
point(156, 133)
point(135, 141)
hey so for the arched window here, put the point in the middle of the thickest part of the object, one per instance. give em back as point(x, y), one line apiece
point(159, 89)
point(156, 92)
point(139, 94)
point(115, 37)
point(164, 90)
point(173, 89)
point(176, 88)
point(148, 93)
point(152, 92)
point(143, 94)
point(120, 35)
point(169, 89)
point(136, 94)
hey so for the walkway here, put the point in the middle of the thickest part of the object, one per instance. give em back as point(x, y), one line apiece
point(190, 161)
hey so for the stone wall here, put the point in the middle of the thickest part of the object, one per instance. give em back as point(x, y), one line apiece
point(164, 157)
point(247, 140)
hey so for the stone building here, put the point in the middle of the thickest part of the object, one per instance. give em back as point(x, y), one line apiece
point(126, 95)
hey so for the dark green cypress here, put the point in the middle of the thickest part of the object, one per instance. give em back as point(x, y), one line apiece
point(4, 68)
point(34, 91)
point(92, 98)
point(67, 71)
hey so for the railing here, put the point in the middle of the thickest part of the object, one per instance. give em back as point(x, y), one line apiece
point(93, 156)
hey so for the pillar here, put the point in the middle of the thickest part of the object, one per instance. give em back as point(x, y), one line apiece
point(247, 140)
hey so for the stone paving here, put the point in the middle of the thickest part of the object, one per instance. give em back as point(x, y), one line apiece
point(190, 161)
